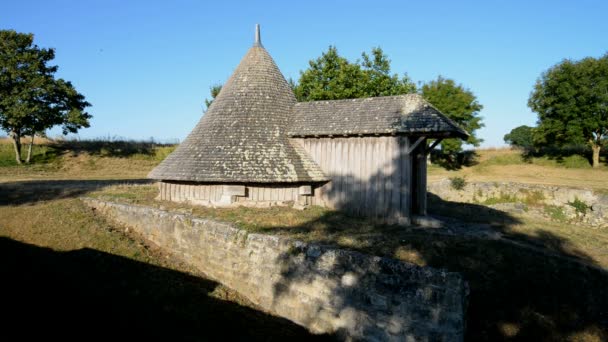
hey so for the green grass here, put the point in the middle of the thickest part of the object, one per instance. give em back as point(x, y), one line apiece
point(41, 155)
point(62, 264)
point(540, 281)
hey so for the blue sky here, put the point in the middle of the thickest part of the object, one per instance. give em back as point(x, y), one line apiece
point(146, 66)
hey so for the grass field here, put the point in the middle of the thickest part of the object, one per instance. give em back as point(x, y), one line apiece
point(530, 279)
point(510, 166)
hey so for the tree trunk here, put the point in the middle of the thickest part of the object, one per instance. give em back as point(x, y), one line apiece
point(17, 145)
point(29, 150)
point(596, 154)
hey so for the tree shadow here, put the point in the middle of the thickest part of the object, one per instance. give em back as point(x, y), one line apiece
point(87, 294)
point(522, 286)
point(561, 154)
point(27, 192)
point(108, 147)
point(454, 161)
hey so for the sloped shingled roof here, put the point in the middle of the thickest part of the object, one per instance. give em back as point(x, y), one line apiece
point(242, 137)
point(403, 114)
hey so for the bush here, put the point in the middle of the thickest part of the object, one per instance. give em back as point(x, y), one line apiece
point(580, 206)
point(556, 213)
point(576, 162)
point(458, 183)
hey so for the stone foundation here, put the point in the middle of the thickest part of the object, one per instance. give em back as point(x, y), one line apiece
point(327, 290)
point(531, 195)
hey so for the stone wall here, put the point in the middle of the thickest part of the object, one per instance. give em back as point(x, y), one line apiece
point(532, 195)
point(327, 290)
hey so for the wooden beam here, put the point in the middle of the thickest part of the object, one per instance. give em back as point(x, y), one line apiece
point(433, 145)
point(413, 147)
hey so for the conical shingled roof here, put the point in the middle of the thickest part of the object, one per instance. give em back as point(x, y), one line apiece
point(242, 137)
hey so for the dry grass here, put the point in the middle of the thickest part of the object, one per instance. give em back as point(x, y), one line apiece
point(89, 159)
point(540, 281)
point(63, 266)
point(507, 165)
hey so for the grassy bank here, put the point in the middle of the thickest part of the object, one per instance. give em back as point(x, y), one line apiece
point(530, 279)
point(510, 165)
point(83, 159)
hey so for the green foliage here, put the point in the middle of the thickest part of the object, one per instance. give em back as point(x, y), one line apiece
point(214, 90)
point(31, 98)
point(575, 162)
point(571, 102)
point(458, 183)
point(534, 198)
point(460, 105)
point(503, 198)
point(556, 213)
point(580, 206)
point(522, 136)
point(333, 77)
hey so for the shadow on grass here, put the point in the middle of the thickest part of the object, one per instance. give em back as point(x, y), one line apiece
point(109, 147)
point(89, 295)
point(454, 161)
point(24, 192)
point(575, 156)
point(522, 287)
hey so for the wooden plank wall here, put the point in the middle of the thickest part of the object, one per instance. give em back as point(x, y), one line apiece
point(371, 176)
point(184, 192)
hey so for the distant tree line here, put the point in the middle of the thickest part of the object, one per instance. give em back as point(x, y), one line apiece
point(571, 100)
point(333, 77)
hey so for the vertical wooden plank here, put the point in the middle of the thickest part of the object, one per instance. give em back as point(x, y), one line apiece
point(339, 172)
point(273, 193)
point(395, 179)
point(360, 177)
point(387, 177)
point(348, 189)
point(406, 179)
point(379, 169)
point(421, 181)
point(205, 192)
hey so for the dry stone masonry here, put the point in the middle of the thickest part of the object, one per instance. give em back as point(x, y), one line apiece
point(513, 196)
point(353, 295)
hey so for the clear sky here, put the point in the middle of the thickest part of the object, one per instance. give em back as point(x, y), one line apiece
point(146, 66)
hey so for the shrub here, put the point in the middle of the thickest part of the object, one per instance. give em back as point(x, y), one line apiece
point(580, 206)
point(556, 213)
point(458, 183)
point(576, 161)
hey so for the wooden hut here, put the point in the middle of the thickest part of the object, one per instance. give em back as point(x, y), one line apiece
point(257, 146)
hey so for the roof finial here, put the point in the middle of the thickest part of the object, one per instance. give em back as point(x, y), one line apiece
point(258, 39)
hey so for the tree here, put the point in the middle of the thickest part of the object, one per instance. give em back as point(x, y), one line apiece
point(330, 77)
point(214, 90)
point(571, 100)
point(31, 98)
point(378, 80)
point(522, 136)
point(333, 77)
point(457, 103)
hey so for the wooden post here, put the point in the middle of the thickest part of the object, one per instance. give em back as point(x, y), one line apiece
point(420, 155)
point(405, 186)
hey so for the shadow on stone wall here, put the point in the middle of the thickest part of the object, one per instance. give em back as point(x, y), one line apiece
point(522, 287)
point(90, 295)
